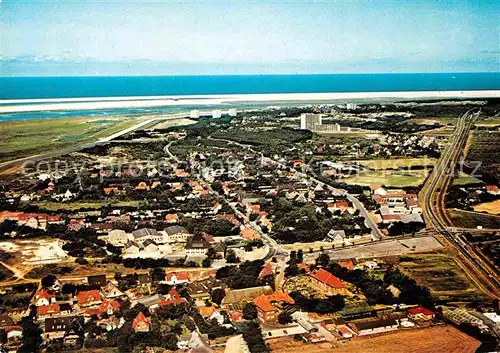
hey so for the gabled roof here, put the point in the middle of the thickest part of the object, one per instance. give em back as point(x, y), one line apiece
point(88, 296)
point(141, 233)
point(266, 271)
point(140, 318)
point(172, 230)
point(51, 309)
point(181, 276)
point(420, 310)
point(328, 279)
point(44, 294)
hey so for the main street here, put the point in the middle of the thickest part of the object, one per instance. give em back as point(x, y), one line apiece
point(432, 197)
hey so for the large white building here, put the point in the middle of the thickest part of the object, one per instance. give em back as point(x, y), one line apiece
point(308, 121)
point(195, 114)
point(216, 113)
point(232, 112)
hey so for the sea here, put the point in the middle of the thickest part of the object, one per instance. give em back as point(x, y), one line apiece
point(12, 88)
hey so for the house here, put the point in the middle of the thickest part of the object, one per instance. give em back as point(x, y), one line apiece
point(43, 297)
point(236, 297)
point(328, 282)
point(171, 218)
point(5, 320)
point(46, 311)
point(144, 279)
point(14, 338)
point(269, 306)
point(492, 189)
point(377, 190)
point(266, 271)
point(337, 237)
point(109, 307)
point(131, 248)
point(220, 249)
point(142, 186)
point(118, 237)
point(420, 313)
point(249, 234)
point(110, 291)
point(89, 298)
point(97, 281)
point(196, 247)
point(177, 234)
point(374, 327)
point(56, 327)
point(172, 298)
point(141, 323)
point(173, 278)
point(144, 234)
point(206, 311)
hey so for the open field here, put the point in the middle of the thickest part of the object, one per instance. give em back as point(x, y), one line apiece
point(395, 247)
point(394, 178)
point(55, 206)
point(470, 219)
point(169, 123)
point(440, 274)
point(464, 179)
point(30, 137)
point(485, 153)
point(443, 120)
point(396, 163)
point(439, 339)
point(492, 207)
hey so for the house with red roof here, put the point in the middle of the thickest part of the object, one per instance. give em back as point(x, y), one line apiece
point(43, 297)
point(43, 312)
point(269, 306)
point(173, 278)
point(492, 189)
point(109, 307)
point(266, 271)
point(420, 313)
point(328, 283)
point(141, 323)
point(89, 298)
point(172, 298)
point(249, 234)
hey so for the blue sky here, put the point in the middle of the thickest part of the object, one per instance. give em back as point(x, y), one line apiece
point(41, 38)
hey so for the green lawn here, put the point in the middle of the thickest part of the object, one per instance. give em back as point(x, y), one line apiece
point(30, 137)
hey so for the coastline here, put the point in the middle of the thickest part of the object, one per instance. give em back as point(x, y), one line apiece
point(50, 104)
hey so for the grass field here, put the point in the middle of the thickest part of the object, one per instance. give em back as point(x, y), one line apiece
point(464, 179)
point(492, 207)
point(169, 123)
point(55, 206)
point(395, 163)
point(440, 274)
point(469, 219)
point(389, 178)
point(30, 137)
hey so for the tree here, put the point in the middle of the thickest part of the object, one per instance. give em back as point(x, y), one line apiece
point(285, 318)
point(48, 281)
point(252, 334)
point(207, 262)
point(250, 311)
point(3, 336)
point(300, 256)
point(218, 295)
point(211, 254)
point(32, 336)
point(323, 260)
point(231, 256)
point(157, 274)
point(292, 270)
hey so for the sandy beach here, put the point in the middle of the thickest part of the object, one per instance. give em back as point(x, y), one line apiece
point(31, 105)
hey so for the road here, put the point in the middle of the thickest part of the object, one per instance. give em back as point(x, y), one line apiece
point(432, 197)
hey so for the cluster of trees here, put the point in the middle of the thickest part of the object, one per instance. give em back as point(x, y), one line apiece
point(301, 223)
point(245, 275)
point(400, 228)
point(252, 334)
point(214, 227)
point(411, 292)
point(327, 305)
